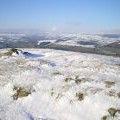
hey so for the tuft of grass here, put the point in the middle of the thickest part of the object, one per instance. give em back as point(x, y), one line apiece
point(60, 95)
point(20, 92)
point(14, 50)
point(112, 111)
point(78, 80)
point(80, 96)
point(11, 51)
point(118, 94)
point(109, 84)
point(112, 93)
point(104, 117)
point(52, 92)
point(57, 73)
point(68, 79)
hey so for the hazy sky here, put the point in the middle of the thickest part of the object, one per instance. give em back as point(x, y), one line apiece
point(60, 15)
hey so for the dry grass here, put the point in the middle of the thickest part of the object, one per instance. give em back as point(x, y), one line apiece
point(20, 92)
point(109, 84)
point(80, 96)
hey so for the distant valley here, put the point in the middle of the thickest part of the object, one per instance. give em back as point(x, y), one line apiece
point(106, 44)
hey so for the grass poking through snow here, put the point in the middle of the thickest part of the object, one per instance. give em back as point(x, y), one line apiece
point(80, 96)
point(20, 92)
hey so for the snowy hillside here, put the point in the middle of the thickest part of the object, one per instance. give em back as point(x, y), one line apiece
point(38, 84)
point(84, 40)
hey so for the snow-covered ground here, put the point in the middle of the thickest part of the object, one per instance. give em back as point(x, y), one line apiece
point(90, 40)
point(84, 40)
point(61, 85)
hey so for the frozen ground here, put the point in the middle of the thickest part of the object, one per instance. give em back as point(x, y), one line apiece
point(58, 85)
point(84, 40)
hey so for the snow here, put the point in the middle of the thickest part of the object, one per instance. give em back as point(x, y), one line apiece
point(53, 98)
point(75, 39)
point(62, 39)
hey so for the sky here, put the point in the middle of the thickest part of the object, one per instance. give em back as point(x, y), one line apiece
point(60, 15)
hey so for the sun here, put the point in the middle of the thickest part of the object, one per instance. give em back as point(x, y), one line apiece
point(54, 28)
